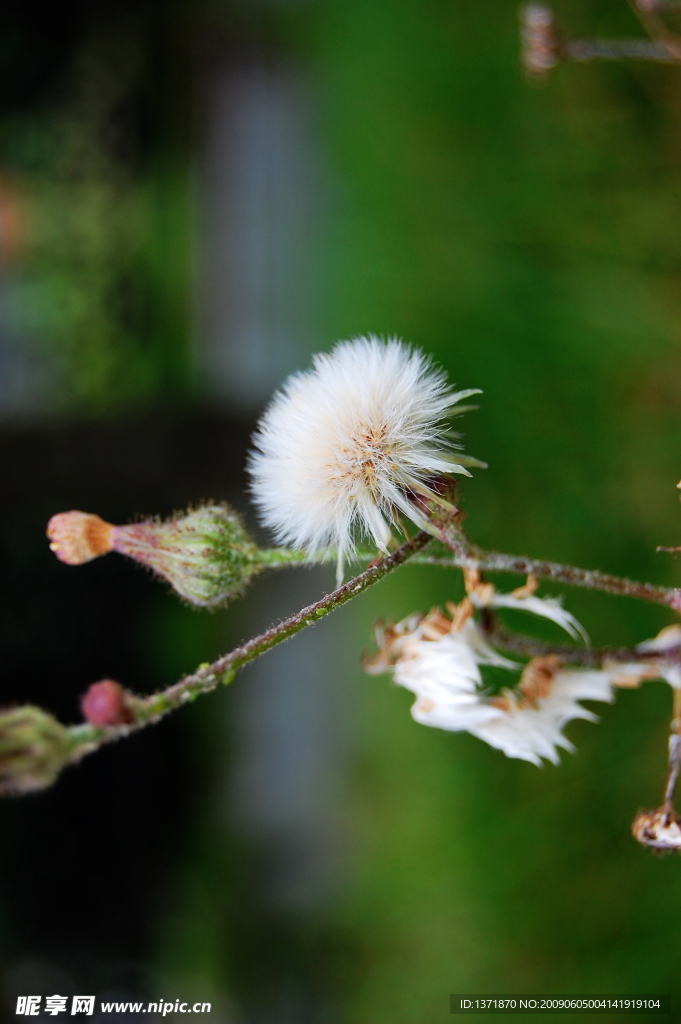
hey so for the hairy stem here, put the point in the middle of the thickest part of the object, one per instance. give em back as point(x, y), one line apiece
point(674, 755)
point(466, 555)
point(284, 558)
point(147, 710)
point(528, 647)
point(469, 556)
point(622, 49)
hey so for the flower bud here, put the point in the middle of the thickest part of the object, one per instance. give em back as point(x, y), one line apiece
point(106, 703)
point(78, 537)
point(205, 554)
point(34, 748)
point(658, 829)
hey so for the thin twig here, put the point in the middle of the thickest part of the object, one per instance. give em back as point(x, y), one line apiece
point(674, 754)
point(649, 16)
point(621, 49)
point(469, 556)
point(529, 647)
point(674, 764)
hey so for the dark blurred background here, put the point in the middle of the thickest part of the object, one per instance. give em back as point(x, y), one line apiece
point(194, 197)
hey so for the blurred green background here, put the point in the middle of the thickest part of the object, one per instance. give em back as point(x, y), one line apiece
point(184, 187)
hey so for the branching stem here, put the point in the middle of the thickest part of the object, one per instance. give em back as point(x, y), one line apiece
point(465, 555)
point(469, 556)
point(528, 647)
point(147, 710)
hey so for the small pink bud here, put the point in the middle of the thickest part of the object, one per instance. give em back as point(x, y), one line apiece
point(105, 703)
point(78, 537)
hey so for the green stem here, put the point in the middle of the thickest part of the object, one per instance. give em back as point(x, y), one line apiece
point(283, 558)
point(466, 555)
point(146, 710)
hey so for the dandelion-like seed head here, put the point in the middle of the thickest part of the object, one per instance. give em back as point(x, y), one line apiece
point(345, 446)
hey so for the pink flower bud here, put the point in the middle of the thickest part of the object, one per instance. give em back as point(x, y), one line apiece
point(106, 703)
point(205, 553)
point(78, 537)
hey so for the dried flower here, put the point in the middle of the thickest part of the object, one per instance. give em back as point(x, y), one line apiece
point(530, 727)
point(346, 445)
point(441, 666)
point(438, 659)
point(34, 748)
point(205, 554)
point(659, 829)
point(524, 599)
point(78, 537)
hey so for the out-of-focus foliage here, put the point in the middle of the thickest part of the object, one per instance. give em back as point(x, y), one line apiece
point(102, 281)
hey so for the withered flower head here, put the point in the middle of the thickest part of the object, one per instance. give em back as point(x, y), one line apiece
point(78, 537)
point(438, 658)
point(660, 829)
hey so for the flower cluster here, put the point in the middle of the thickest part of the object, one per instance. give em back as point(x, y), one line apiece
point(438, 658)
point(345, 447)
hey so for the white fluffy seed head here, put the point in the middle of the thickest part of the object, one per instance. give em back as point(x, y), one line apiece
point(346, 444)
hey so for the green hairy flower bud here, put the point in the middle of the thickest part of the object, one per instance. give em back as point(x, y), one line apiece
point(205, 554)
point(34, 747)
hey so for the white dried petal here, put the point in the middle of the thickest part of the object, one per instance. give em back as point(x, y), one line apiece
point(534, 732)
point(666, 640)
point(546, 607)
point(443, 669)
